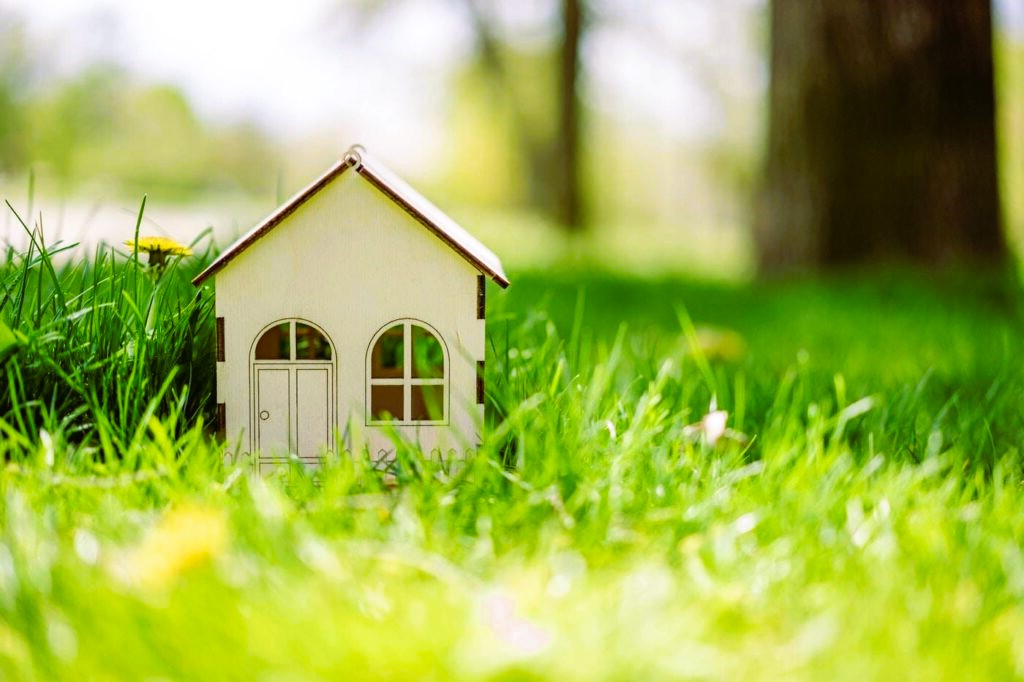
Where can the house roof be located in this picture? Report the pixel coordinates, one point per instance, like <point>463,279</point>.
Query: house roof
<point>393,187</point>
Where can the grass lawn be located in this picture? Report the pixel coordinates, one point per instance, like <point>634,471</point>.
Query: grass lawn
<point>860,517</point>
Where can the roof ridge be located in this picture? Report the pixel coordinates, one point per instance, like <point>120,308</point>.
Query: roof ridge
<point>384,180</point>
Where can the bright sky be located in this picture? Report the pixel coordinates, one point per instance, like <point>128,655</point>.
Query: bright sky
<point>297,68</point>
<point>300,71</point>
<point>280,63</point>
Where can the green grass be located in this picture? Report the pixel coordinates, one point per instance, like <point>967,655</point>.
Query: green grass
<point>863,519</point>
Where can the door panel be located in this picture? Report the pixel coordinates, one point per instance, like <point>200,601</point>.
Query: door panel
<point>313,424</point>
<point>273,414</point>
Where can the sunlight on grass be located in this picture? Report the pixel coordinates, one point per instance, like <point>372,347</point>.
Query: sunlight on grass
<point>679,479</point>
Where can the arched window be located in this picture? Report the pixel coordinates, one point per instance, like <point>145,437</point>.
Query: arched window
<point>407,380</point>
<point>292,341</point>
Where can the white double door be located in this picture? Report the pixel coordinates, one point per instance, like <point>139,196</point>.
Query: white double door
<point>293,404</point>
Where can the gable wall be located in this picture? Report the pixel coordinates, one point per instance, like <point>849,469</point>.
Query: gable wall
<point>352,261</point>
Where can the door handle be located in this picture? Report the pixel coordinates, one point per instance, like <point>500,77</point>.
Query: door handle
<point>264,415</point>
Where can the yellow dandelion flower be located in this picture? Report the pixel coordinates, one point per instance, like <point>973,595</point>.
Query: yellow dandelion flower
<point>159,248</point>
<point>184,538</point>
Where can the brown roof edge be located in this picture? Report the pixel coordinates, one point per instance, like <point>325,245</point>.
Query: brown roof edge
<point>275,218</point>
<point>353,159</point>
<point>389,192</point>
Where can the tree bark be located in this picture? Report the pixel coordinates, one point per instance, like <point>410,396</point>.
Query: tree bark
<point>882,143</point>
<point>569,204</point>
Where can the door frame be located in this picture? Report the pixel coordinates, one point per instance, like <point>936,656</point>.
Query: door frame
<point>292,365</point>
<point>288,400</point>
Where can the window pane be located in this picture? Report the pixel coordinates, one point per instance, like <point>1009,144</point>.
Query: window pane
<point>310,344</point>
<point>275,344</point>
<point>388,357</point>
<point>427,355</point>
<point>386,403</point>
<point>427,403</point>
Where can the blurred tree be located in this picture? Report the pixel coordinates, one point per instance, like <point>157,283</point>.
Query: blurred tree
<point>551,145</point>
<point>553,148</point>
<point>553,152</point>
<point>881,137</point>
<point>567,159</point>
<point>528,111</point>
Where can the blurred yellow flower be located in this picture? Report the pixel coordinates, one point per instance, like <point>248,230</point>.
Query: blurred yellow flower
<point>184,538</point>
<point>159,248</point>
<point>719,343</point>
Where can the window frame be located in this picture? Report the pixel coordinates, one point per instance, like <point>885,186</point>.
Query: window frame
<point>292,342</point>
<point>407,381</point>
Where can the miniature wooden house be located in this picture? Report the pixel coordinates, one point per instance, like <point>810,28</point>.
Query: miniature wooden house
<point>354,312</point>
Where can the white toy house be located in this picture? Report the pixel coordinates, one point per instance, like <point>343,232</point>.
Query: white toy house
<point>354,311</point>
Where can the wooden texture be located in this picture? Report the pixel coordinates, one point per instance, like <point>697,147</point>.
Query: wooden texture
<point>480,382</point>
<point>481,297</point>
<point>393,187</point>
<point>313,422</point>
<point>350,261</point>
<point>222,422</point>
<point>433,218</point>
<point>220,339</point>
<point>273,407</point>
<point>882,135</point>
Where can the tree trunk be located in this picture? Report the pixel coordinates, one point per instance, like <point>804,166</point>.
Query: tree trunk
<point>881,143</point>
<point>568,198</point>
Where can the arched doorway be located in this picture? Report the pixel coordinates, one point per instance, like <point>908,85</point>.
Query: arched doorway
<point>292,390</point>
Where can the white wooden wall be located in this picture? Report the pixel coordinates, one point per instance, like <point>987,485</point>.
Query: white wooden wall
<point>351,261</point>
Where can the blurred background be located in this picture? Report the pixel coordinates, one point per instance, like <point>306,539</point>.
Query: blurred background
<point>716,138</point>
